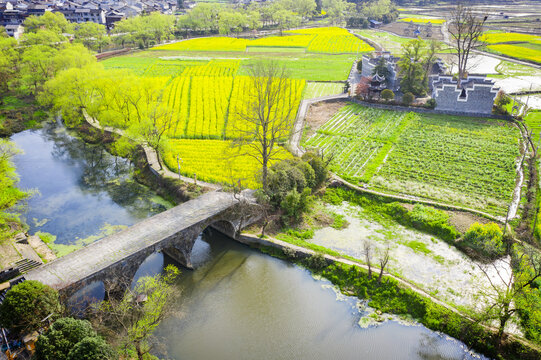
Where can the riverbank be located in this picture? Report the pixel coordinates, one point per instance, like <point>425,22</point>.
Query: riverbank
<point>396,296</point>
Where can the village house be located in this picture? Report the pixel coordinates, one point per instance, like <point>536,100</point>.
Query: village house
<point>371,61</point>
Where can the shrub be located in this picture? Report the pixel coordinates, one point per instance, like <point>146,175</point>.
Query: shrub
<point>295,203</point>
<point>71,339</point>
<point>433,221</point>
<point>486,240</point>
<point>431,104</point>
<point>501,101</point>
<point>360,65</point>
<point>318,165</point>
<point>387,95</point>
<point>316,261</point>
<point>408,98</point>
<point>27,304</point>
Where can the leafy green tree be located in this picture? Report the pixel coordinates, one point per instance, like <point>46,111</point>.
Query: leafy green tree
<point>509,286</point>
<point>296,204</point>
<point>131,320</point>
<point>387,95</point>
<point>71,339</point>
<point>91,348</point>
<point>304,8</point>
<point>8,63</point>
<point>43,37</point>
<point>285,19</point>
<point>10,195</point>
<point>27,304</point>
<point>53,21</point>
<point>411,67</point>
<point>337,10</point>
<point>231,21</point>
<point>92,35</point>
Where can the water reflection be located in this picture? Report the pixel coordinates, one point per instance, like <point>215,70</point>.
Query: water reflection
<point>241,304</point>
<point>82,187</point>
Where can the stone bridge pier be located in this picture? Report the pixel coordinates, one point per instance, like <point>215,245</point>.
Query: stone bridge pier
<point>114,260</point>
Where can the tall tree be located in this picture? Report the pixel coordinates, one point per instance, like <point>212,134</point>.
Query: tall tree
<point>268,117</point>
<point>411,67</point>
<point>465,28</point>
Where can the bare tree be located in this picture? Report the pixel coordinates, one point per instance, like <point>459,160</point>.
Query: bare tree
<point>506,287</point>
<point>268,117</point>
<point>383,260</point>
<point>465,29</point>
<point>368,250</point>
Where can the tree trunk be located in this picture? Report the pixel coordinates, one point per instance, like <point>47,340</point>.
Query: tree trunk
<point>265,173</point>
<point>139,351</point>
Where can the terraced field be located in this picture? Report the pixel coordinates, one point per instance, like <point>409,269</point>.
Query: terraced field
<point>463,161</point>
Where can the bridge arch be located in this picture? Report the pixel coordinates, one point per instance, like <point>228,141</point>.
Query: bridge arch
<point>114,260</point>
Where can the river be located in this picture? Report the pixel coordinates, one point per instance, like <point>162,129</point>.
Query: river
<point>238,303</point>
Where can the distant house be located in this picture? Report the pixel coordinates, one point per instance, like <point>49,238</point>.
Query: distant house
<point>15,31</point>
<point>375,23</point>
<point>476,94</point>
<point>112,17</point>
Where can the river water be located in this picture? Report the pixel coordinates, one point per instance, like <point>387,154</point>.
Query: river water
<point>238,303</point>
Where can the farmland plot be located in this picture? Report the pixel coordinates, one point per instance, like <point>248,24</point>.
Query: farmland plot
<point>358,137</point>
<point>215,161</point>
<point>462,161</point>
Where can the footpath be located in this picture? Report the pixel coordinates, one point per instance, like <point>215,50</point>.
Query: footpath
<point>154,163</point>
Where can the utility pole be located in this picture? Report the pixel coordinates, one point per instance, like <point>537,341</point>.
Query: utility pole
<point>178,165</point>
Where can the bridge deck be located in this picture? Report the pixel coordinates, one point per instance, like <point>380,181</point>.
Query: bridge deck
<point>99,255</point>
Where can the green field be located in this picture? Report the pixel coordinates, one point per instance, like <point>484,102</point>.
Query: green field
<point>311,67</point>
<point>533,121</point>
<point>318,89</point>
<point>458,160</point>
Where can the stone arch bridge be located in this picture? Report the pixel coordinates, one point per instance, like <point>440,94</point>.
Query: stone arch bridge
<point>173,232</point>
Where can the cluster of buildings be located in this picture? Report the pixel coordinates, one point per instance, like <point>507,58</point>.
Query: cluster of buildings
<point>475,94</point>
<point>106,12</point>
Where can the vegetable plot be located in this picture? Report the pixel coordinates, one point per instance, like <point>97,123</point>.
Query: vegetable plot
<point>463,161</point>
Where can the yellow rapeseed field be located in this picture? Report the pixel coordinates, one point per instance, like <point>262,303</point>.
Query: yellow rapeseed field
<point>215,161</point>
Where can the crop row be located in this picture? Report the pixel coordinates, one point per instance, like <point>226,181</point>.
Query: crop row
<point>214,68</point>
<point>516,51</point>
<point>242,99</point>
<point>215,161</point>
<point>503,37</point>
<point>323,40</point>
<point>355,136</point>
<point>473,160</point>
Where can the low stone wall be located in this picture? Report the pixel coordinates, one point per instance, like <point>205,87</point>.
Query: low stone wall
<point>429,111</point>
